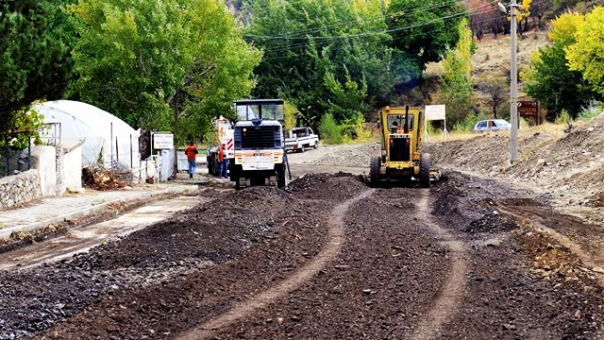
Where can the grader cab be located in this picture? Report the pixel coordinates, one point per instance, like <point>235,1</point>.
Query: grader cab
<point>401,159</point>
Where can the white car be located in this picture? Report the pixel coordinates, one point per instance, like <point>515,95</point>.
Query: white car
<point>491,125</point>
<point>300,139</point>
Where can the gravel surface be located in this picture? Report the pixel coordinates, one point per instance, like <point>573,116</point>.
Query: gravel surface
<point>329,258</point>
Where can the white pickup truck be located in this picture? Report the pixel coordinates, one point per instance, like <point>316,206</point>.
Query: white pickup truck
<point>301,138</point>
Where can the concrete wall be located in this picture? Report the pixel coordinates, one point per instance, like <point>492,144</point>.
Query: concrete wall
<point>57,175</point>
<point>44,160</point>
<point>50,176</point>
<point>72,162</point>
<point>19,189</point>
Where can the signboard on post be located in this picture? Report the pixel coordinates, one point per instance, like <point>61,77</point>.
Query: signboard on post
<point>436,112</point>
<point>529,109</point>
<point>163,141</point>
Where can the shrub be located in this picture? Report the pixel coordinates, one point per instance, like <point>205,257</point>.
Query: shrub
<point>563,118</point>
<point>590,112</point>
<point>329,130</point>
<point>468,123</point>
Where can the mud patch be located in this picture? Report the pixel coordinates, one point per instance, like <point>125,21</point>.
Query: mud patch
<point>491,222</point>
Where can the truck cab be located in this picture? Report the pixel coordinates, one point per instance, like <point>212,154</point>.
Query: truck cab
<point>259,154</point>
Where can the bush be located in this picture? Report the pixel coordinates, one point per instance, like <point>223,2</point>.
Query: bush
<point>590,112</point>
<point>563,118</point>
<point>329,130</point>
<point>468,123</point>
<point>350,130</point>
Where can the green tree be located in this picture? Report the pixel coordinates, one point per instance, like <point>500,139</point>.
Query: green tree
<point>456,81</point>
<point>290,118</point>
<point>585,53</point>
<point>423,30</point>
<point>316,50</point>
<point>34,56</point>
<point>162,64</point>
<point>549,78</point>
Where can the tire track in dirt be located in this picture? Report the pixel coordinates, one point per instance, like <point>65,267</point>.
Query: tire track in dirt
<point>450,297</point>
<point>336,239</point>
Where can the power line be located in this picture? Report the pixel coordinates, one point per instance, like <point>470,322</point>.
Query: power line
<point>293,35</point>
<point>373,33</point>
<point>303,35</point>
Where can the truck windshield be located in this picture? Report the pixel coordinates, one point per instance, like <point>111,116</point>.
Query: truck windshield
<point>264,111</point>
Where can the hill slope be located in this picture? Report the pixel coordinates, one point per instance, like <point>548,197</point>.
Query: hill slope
<point>567,167</point>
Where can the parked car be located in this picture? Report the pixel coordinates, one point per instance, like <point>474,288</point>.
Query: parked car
<point>301,138</point>
<point>491,125</point>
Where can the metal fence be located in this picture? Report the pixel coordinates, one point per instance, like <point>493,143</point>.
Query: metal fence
<point>16,148</point>
<point>15,159</point>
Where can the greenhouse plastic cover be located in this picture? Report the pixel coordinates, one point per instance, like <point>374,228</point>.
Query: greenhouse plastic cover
<point>97,128</point>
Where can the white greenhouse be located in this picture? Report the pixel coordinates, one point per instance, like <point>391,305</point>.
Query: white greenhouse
<point>107,140</point>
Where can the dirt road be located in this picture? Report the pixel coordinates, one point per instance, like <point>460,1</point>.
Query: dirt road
<point>328,258</point>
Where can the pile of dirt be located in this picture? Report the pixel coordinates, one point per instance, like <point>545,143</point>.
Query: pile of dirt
<point>567,168</point>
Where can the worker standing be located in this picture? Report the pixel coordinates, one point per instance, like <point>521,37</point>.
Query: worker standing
<point>191,152</point>
<point>224,163</point>
<point>220,159</point>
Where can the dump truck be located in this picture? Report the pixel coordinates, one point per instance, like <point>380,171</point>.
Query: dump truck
<point>259,144</point>
<point>401,159</point>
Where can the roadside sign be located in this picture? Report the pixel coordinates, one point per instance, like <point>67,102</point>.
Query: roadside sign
<point>163,141</point>
<point>435,112</point>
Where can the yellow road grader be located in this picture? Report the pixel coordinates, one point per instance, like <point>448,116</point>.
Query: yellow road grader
<point>401,159</point>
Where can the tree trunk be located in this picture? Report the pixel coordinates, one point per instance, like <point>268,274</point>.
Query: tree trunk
<point>174,133</point>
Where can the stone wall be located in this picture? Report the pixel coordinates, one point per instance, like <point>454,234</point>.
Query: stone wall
<point>19,189</point>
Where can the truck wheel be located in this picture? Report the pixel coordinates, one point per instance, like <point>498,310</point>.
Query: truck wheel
<point>237,186</point>
<point>374,172</point>
<point>302,148</point>
<point>316,146</point>
<point>281,178</point>
<point>216,169</point>
<point>425,162</point>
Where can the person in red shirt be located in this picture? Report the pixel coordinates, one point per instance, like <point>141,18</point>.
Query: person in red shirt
<point>222,162</point>
<point>191,152</point>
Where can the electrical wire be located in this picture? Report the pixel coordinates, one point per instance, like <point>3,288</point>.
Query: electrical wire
<point>380,18</point>
<point>272,52</point>
<point>303,35</point>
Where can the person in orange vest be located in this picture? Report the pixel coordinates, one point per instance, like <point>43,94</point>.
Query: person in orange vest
<point>191,152</point>
<point>222,162</point>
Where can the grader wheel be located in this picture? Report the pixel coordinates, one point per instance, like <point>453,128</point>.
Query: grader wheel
<point>425,163</point>
<point>374,172</point>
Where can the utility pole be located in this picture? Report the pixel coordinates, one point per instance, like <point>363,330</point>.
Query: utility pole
<point>513,85</point>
